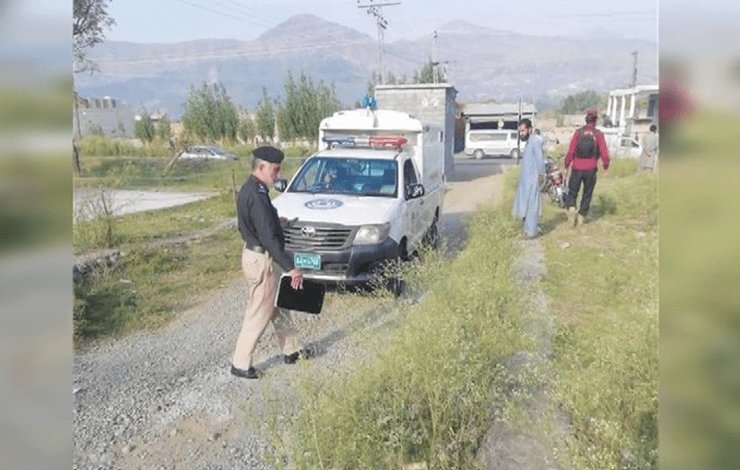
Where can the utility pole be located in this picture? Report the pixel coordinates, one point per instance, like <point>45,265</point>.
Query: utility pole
<point>435,59</point>
<point>375,9</point>
<point>518,137</point>
<point>76,168</point>
<point>634,69</point>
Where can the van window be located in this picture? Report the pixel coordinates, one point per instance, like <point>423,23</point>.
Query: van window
<point>483,137</point>
<point>409,173</point>
<point>628,143</point>
<point>352,176</point>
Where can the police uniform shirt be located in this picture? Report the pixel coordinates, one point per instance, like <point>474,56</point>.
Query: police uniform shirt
<point>259,223</point>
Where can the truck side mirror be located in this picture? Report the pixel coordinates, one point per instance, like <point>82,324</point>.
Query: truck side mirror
<point>280,184</point>
<point>414,191</point>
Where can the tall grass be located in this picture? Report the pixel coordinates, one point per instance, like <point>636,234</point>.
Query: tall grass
<point>428,391</point>
<point>102,146</point>
<point>602,287</point>
<point>138,172</point>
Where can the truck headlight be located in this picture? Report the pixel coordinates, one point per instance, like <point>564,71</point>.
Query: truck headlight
<point>372,234</point>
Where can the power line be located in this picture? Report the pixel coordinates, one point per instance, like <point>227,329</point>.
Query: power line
<point>375,9</point>
<point>246,16</point>
<point>194,4</point>
<point>230,53</point>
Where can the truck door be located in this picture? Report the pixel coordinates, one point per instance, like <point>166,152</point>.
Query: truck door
<point>412,207</point>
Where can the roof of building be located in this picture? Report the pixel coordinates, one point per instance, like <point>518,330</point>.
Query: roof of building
<point>497,109</point>
<point>413,86</point>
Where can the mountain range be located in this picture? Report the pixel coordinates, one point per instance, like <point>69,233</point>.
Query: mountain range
<point>483,64</point>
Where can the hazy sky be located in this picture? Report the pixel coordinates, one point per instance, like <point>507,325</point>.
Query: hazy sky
<point>179,20</point>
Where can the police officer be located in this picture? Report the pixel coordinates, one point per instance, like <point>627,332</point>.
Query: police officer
<point>264,244</point>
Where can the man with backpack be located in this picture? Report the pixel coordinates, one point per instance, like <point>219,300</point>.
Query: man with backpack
<point>586,147</point>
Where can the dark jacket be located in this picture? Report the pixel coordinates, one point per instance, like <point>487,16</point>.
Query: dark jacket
<point>259,223</point>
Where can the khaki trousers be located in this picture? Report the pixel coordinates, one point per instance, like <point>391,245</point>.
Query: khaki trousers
<point>262,281</point>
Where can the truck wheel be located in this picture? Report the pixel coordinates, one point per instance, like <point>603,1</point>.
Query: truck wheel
<point>514,154</point>
<point>432,236</point>
<point>478,154</point>
<point>395,282</point>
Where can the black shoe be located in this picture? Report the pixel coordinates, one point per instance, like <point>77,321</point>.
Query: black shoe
<point>250,373</point>
<point>300,354</point>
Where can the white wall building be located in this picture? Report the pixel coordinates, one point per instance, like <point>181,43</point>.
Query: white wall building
<point>106,116</point>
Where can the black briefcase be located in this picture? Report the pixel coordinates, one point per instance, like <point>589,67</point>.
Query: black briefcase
<point>310,299</point>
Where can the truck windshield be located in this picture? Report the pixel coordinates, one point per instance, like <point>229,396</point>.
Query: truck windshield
<point>351,176</point>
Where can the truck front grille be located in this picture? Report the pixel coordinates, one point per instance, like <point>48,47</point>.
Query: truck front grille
<point>317,237</point>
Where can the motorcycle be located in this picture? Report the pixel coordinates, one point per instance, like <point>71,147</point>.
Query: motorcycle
<point>554,183</point>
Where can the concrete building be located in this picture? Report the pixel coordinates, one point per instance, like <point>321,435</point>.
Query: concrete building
<point>102,116</point>
<point>624,116</point>
<point>431,103</point>
<point>496,115</point>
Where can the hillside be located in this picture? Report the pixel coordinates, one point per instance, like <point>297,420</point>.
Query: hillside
<point>482,63</point>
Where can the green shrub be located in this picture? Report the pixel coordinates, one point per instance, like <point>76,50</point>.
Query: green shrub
<point>603,293</point>
<point>431,389</point>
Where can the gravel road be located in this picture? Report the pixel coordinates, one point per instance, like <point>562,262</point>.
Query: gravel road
<point>129,201</point>
<point>165,399</point>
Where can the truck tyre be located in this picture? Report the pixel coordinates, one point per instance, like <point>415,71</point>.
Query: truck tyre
<point>395,282</point>
<point>478,154</point>
<point>432,236</point>
<point>514,154</point>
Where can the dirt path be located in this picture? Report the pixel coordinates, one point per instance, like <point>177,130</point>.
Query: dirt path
<point>528,445</point>
<point>166,400</point>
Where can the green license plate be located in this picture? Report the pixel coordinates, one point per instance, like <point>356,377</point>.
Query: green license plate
<point>307,261</point>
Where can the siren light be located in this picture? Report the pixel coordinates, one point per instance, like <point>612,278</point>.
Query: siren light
<point>374,141</point>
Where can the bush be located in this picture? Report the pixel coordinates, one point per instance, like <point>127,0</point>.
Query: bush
<point>100,146</point>
<point>429,395</point>
<point>606,358</point>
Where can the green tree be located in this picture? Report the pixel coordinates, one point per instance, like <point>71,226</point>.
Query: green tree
<point>164,128</point>
<point>579,102</point>
<point>304,106</point>
<point>144,128</point>
<point>265,116</point>
<point>210,114</point>
<point>90,19</point>
<point>328,103</point>
<point>374,80</point>
<point>426,75</point>
<point>247,128</point>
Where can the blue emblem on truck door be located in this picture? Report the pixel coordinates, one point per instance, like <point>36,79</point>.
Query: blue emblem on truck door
<point>323,203</point>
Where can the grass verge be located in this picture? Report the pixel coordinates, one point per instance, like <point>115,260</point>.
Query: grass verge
<point>148,287</point>
<point>429,393</point>
<point>149,172</point>
<point>603,292</point>
<point>153,281</point>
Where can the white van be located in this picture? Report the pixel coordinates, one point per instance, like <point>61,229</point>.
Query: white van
<point>484,142</point>
<point>372,194</point>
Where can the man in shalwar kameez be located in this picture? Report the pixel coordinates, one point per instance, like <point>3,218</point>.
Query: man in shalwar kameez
<point>532,166</point>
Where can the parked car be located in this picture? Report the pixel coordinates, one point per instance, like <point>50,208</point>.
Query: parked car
<point>620,145</point>
<point>207,152</point>
<point>628,147</point>
<point>480,143</point>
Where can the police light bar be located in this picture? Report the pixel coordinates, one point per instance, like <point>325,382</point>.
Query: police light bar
<point>395,141</point>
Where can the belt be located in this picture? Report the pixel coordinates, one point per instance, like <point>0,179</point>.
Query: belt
<point>255,248</point>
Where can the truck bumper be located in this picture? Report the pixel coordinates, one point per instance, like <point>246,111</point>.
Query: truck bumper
<point>356,265</point>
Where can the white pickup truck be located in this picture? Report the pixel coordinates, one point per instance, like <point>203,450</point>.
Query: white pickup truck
<point>372,194</point>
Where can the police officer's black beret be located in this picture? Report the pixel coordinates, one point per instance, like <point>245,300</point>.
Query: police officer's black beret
<point>268,154</point>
